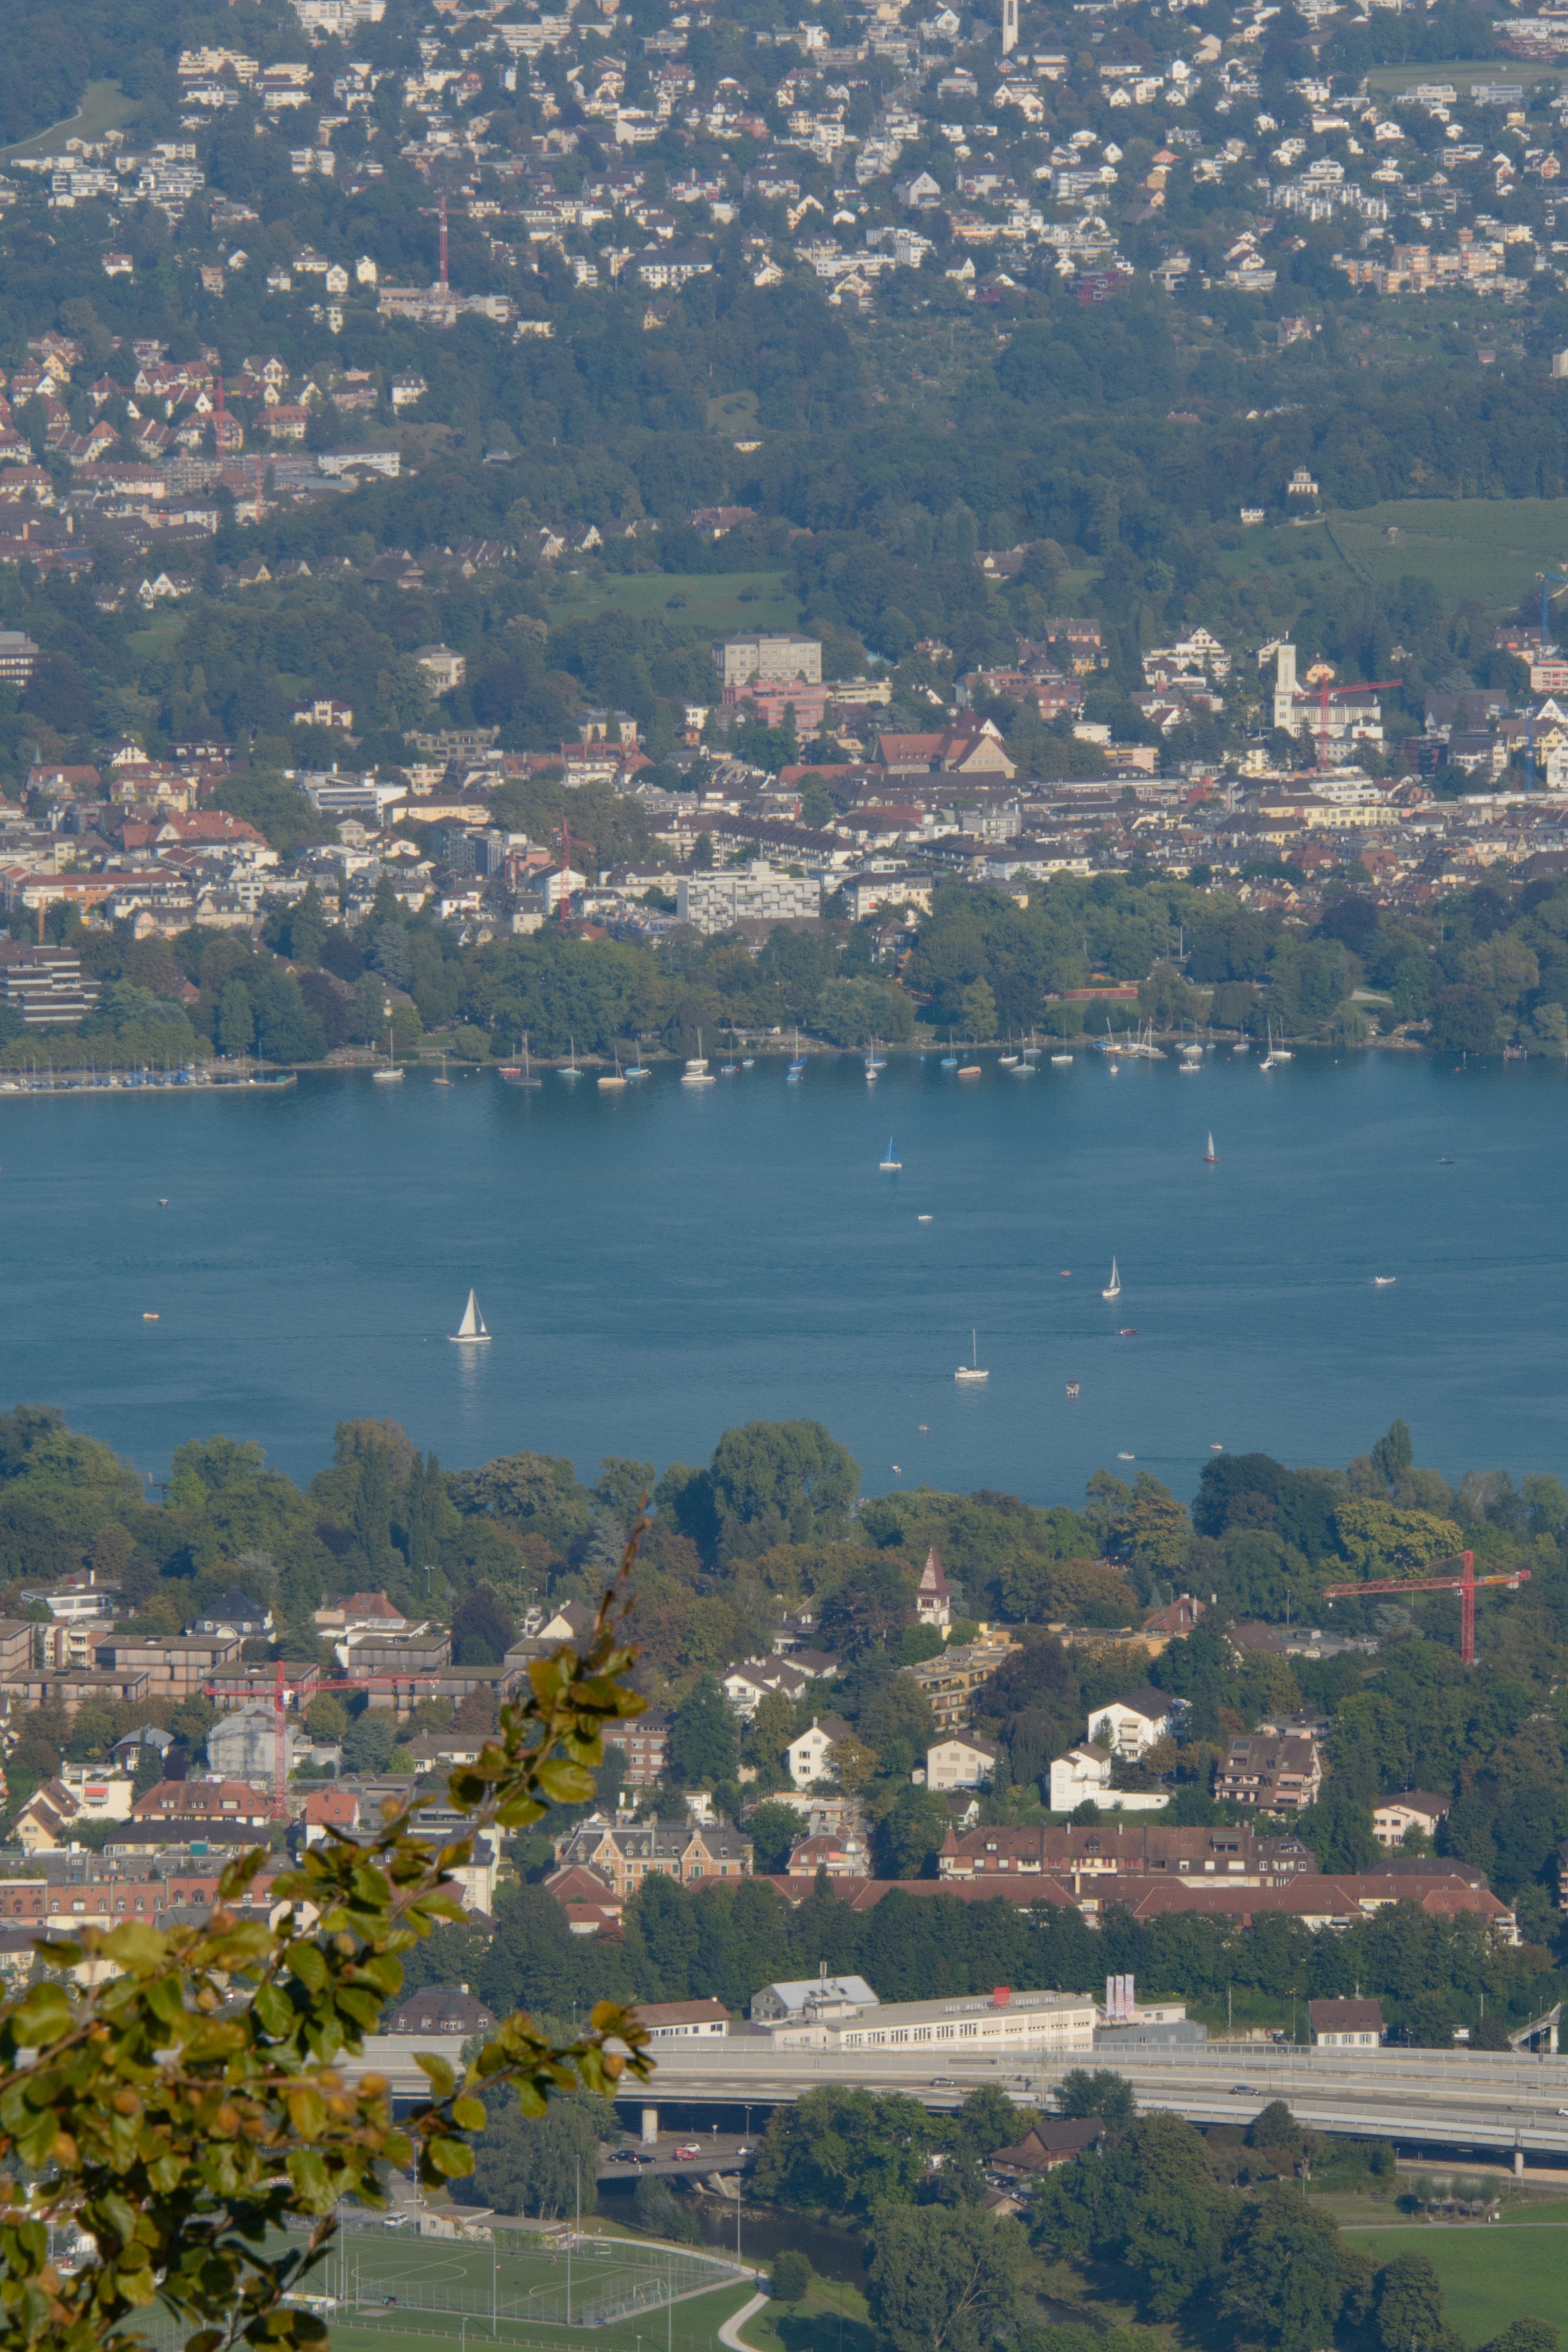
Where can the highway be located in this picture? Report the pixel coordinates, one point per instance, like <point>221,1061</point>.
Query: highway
<point>1451,2101</point>
<point>1417,2098</point>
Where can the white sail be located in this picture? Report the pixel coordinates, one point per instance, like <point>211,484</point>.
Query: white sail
<point>473,1324</point>
<point>1114,1288</point>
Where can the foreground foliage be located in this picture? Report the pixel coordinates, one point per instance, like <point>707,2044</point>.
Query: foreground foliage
<point>179,2095</point>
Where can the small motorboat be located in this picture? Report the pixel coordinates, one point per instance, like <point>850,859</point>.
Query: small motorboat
<point>1128,1331</point>
<point>923,1220</point>
<point>150,1319</point>
<point>1383,1281</point>
<point>968,1069</point>
<point>1072,1388</point>
<point>1215,1447</point>
<point>1126,1457</point>
<point>1062,1061</point>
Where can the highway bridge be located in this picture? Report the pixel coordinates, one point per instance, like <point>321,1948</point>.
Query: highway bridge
<point>1452,2103</point>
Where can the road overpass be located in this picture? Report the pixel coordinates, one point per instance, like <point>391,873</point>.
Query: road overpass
<point>1446,2101</point>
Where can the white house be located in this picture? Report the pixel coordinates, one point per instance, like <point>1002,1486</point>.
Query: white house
<point>751,1680</point>
<point>963,1760</point>
<point>816,1997</point>
<point>1417,1808</point>
<point>1131,1726</point>
<point>1084,1777</point>
<point>933,1594</point>
<point>808,1756</point>
<point>1345,2024</point>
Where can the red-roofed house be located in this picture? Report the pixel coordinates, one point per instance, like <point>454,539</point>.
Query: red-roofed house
<point>325,1809</point>
<point>593,1906</point>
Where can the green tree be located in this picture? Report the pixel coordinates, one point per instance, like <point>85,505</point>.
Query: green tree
<point>978,1011</point>
<point>1410,2306</point>
<point>704,1743</point>
<point>369,1739</point>
<point>844,2152</point>
<point>1099,2092</point>
<point>789,2281</point>
<point>987,2120</point>
<point>326,1717</point>
<point>909,1837</point>
<point>1429,2022</point>
<point>870,1608</point>
<point>781,1482</point>
<point>1527,2334</point>
<point>944,2279</point>
<point>533,2164</point>
<point>773,1830</point>
<point>237,1020</point>
<point>1339,1830</point>
<point>1282,2284</point>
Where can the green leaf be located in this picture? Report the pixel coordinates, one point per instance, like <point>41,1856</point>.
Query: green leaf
<point>41,2013</point>
<point>453,2158</point>
<point>442,2079</point>
<point>274,2011</point>
<point>309,2177</point>
<point>137,1946</point>
<point>469,2113</point>
<point>564,1784</point>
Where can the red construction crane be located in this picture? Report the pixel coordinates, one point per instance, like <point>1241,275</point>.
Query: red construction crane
<point>1467,1585</point>
<point>439,211</point>
<point>569,842</point>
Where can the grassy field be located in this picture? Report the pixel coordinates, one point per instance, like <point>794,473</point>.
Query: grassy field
<point>1462,73</point>
<point>1491,2275</point>
<point>681,2327</point>
<point>695,605</point>
<point>1490,548</point>
<point>104,107</point>
<point>828,2315</point>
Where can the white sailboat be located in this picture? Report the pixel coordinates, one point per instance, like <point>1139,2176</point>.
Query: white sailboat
<point>892,1163</point>
<point>1114,1288</point>
<point>571,1070</point>
<point>1210,1156</point>
<point>471,1330</point>
<point>392,1075</point>
<point>971,1371</point>
<point>697,1072</point>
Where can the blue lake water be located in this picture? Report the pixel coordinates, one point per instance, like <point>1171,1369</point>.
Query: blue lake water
<point>658,1265</point>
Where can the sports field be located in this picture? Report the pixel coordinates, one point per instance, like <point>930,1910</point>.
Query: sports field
<point>695,605</point>
<point>519,2294</point>
<point>1491,2272</point>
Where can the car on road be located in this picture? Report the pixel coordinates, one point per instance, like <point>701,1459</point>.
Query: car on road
<point>624,2156</point>
<point>943,2082</point>
<point>1242,2091</point>
<point>690,2148</point>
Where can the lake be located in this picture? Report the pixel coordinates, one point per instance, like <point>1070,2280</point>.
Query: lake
<point>658,1265</point>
